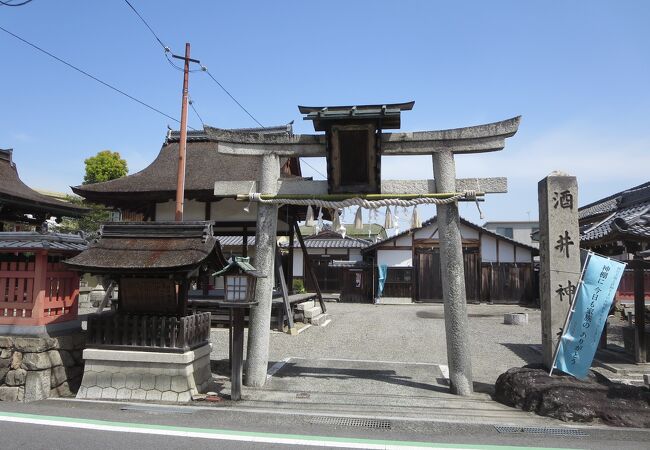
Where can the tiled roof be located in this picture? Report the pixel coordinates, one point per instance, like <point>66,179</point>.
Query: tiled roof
<point>346,242</point>
<point>238,241</point>
<point>29,240</point>
<point>608,204</point>
<point>373,229</point>
<point>630,220</point>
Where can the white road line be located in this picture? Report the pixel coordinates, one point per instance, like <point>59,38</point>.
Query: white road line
<point>275,367</point>
<point>225,435</point>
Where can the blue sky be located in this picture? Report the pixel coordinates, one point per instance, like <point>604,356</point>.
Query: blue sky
<point>578,73</point>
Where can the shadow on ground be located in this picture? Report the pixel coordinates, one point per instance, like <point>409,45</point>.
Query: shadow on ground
<point>524,352</point>
<point>296,370</point>
<point>441,315</point>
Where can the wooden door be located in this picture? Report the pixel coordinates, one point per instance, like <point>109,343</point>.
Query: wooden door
<point>472,265</point>
<point>427,275</point>
<point>328,278</point>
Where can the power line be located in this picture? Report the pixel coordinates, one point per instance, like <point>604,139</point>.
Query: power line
<point>147,25</point>
<point>15,4</point>
<point>191,102</point>
<point>203,68</point>
<point>89,75</point>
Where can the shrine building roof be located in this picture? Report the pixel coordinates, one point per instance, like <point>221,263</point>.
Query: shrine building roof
<point>21,199</point>
<point>204,166</point>
<point>142,248</point>
<point>626,218</point>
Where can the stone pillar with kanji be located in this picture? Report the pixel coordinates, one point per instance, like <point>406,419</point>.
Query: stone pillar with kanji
<point>559,250</point>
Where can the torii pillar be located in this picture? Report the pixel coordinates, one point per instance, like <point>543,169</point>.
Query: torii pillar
<point>265,242</point>
<point>442,145</point>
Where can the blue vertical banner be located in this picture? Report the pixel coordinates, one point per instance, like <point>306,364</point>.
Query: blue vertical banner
<point>588,315</point>
<point>382,270</point>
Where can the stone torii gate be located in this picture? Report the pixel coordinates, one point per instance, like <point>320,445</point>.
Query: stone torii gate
<point>369,119</point>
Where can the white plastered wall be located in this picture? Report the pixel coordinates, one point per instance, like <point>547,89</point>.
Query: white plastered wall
<point>395,258</point>
<point>192,210</point>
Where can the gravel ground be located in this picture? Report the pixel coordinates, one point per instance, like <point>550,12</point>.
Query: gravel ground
<point>408,333</point>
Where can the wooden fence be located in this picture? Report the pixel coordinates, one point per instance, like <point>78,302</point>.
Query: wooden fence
<point>35,290</point>
<point>148,332</point>
<point>507,283</point>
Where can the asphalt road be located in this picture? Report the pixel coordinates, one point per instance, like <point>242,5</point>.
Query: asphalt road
<point>55,424</point>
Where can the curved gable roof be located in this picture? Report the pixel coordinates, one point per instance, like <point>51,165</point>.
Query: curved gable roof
<point>204,166</point>
<point>18,195</point>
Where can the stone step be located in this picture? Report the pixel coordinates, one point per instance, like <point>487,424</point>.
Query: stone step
<point>305,305</point>
<point>312,312</point>
<point>321,320</point>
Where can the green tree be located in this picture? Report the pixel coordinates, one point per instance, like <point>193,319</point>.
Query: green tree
<point>104,166</point>
<point>90,222</point>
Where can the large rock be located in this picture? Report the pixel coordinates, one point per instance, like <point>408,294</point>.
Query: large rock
<point>3,373</point>
<point>16,360</point>
<point>34,344</point>
<point>9,393</point>
<point>36,361</point>
<point>16,377</point>
<point>568,399</point>
<point>37,385</point>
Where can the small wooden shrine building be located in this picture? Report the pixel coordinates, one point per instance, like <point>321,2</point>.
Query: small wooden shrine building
<point>150,337</point>
<point>497,269</point>
<point>38,294</point>
<point>21,207</point>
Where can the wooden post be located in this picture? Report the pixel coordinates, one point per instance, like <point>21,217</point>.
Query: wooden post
<point>639,311</point>
<point>310,269</point>
<point>237,354</point>
<point>283,287</point>
<point>40,282</point>
<point>290,261</point>
<point>180,179</point>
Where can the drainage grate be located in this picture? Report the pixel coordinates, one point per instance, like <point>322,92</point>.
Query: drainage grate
<point>158,409</point>
<point>352,422</point>
<point>542,430</point>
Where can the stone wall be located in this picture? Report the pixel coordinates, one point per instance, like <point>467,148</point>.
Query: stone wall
<point>34,368</point>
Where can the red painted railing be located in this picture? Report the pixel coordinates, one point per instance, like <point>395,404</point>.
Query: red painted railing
<point>34,291</point>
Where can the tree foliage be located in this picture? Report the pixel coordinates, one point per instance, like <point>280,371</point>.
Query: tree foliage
<point>90,222</point>
<point>104,166</point>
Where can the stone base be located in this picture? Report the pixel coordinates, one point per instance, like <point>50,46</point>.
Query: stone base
<point>35,368</point>
<point>568,399</point>
<point>515,318</point>
<point>140,375</point>
<point>54,329</point>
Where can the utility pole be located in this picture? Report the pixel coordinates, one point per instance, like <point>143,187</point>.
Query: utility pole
<point>180,180</point>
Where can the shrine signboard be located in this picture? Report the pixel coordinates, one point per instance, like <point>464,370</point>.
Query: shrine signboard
<point>559,250</point>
